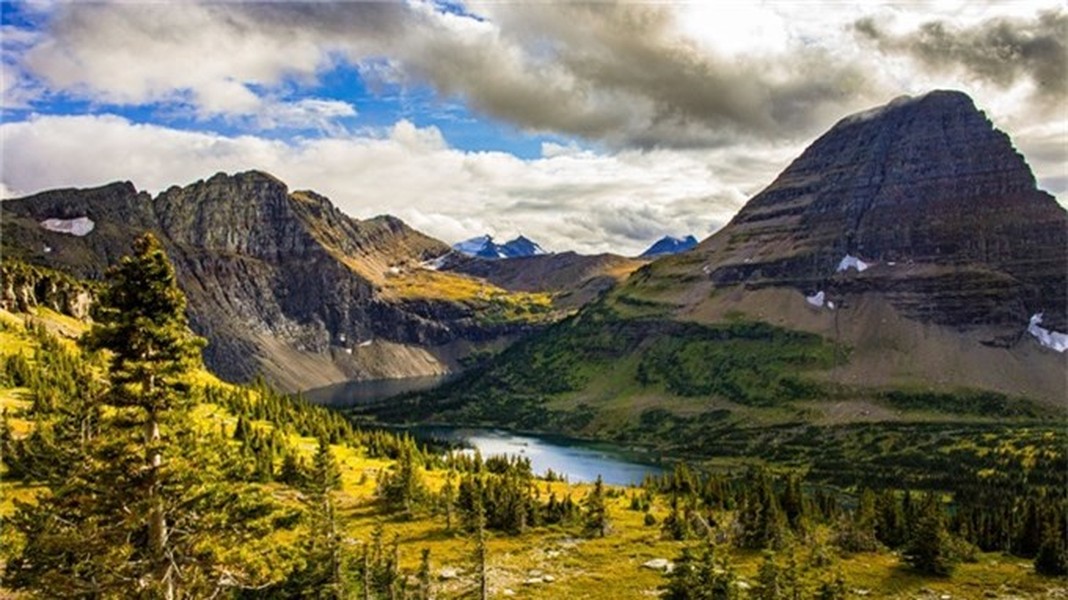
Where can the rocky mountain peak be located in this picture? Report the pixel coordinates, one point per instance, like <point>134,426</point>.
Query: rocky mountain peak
<point>927,190</point>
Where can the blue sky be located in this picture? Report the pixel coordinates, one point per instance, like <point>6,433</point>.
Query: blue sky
<point>593,127</point>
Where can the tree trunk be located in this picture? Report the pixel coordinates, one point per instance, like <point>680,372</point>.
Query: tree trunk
<point>157,524</point>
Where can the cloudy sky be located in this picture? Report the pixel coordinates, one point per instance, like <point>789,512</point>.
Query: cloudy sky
<point>585,126</point>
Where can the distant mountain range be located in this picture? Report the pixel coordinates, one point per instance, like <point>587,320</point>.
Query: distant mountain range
<point>484,247</point>
<point>669,245</point>
<point>284,284</point>
<point>905,261</point>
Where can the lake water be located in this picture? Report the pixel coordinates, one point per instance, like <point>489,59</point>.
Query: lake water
<point>578,460</point>
<point>575,459</point>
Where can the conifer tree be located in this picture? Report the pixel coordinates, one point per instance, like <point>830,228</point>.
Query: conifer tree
<point>706,575</point>
<point>930,550</point>
<point>770,584</point>
<point>145,512</point>
<point>595,519</point>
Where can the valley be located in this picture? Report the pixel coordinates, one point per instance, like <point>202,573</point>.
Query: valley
<point>834,396</point>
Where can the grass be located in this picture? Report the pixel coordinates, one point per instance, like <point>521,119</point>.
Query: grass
<point>493,304</point>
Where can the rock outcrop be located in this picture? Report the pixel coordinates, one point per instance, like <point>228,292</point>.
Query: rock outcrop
<point>280,283</point>
<point>927,193</point>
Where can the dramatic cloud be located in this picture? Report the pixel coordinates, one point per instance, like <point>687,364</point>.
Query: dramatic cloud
<point>1000,51</point>
<point>625,74</point>
<point>665,117</point>
<point>568,200</point>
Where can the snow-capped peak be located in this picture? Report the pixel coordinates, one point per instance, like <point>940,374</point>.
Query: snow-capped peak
<point>670,245</point>
<point>483,246</point>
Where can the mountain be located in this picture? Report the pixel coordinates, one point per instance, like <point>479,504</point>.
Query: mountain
<point>669,245</point>
<point>280,283</point>
<point>484,247</point>
<point>906,259</point>
<point>576,279</point>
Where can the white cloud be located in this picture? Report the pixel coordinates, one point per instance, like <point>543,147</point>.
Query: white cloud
<point>569,201</point>
<point>627,74</point>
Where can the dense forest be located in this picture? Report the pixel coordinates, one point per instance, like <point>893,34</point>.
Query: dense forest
<point>138,475</point>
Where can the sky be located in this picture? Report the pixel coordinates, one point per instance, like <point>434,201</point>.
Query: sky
<point>591,127</point>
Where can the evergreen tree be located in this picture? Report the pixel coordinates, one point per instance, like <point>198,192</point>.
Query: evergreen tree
<point>930,550</point>
<point>404,489</point>
<point>595,519</point>
<point>423,576</point>
<point>1052,557</point>
<point>329,576</point>
<point>708,575</point>
<point>145,512</point>
<point>762,522</point>
<point>770,585</point>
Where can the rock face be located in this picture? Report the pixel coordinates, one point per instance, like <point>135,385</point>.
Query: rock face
<point>929,194</point>
<point>280,283</point>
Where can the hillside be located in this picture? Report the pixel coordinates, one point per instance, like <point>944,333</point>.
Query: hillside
<point>890,274</point>
<point>575,279</point>
<point>282,283</point>
<point>546,560</point>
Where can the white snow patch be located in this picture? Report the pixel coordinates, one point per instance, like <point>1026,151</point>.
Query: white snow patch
<point>348,350</point>
<point>830,305</point>
<point>851,262</point>
<point>364,344</point>
<point>79,227</point>
<point>47,249</point>
<point>816,299</point>
<point>435,264</point>
<point>1054,340</point>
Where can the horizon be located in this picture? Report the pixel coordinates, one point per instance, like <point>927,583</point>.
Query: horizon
<point>466,119</point>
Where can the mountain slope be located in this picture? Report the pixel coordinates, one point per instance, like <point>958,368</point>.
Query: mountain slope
<point>282,283</point>
<point>669,245</point>
<point>577,279</point>
<point>902,255</point>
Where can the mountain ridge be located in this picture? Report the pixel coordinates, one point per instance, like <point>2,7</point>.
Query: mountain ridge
<point>484,247</point>
<point>283,283</point>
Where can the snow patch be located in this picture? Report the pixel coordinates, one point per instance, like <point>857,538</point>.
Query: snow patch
<point>435,264</point>
<point>79,227</point>
<point>1054,340</point>
<point>816,299</point>
<point>851,262</point>
<point>364,344</point>
<point>48,249</point>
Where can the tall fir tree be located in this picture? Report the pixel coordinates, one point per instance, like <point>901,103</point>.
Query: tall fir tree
<point>144,512</point>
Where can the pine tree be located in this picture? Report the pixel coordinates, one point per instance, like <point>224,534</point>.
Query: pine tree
<point>708,575</point>
<point>930,550</point>
<point>770,584</point>
<point>423,575</point>
<point>595,519</point>
<point>404,489</point>
<point>1052,557</point>
<point>324,550</point>
<point>145,511</point>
